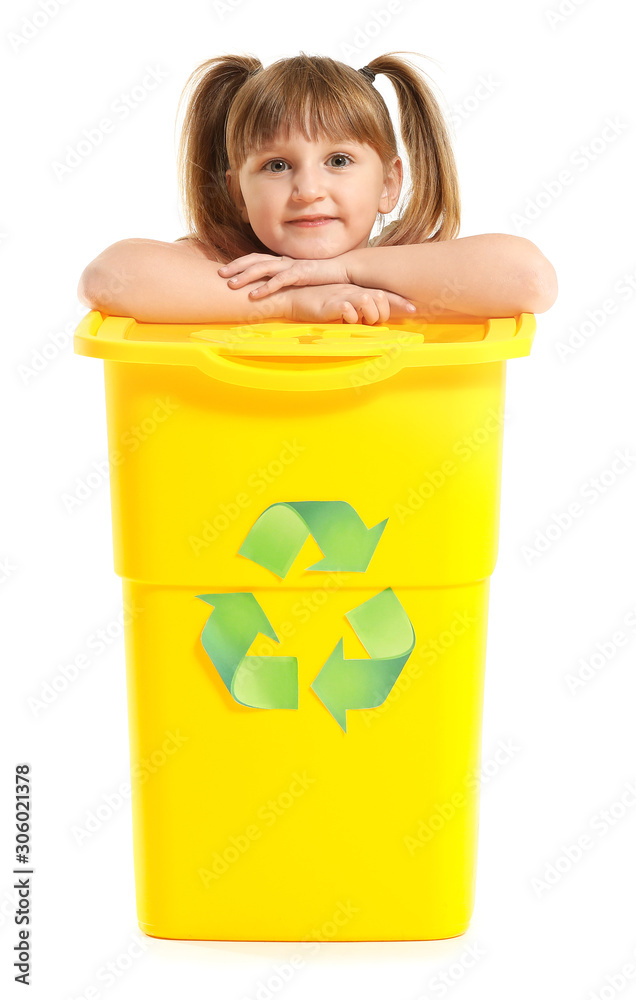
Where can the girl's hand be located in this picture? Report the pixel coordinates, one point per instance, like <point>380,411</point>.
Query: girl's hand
<point>282,271</point>
<point>344,303</point>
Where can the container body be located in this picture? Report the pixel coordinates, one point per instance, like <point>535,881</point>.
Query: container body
<point>275,824</point>
<point>272,824</point>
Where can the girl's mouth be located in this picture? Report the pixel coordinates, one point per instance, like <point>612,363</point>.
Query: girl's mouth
<point>311,222</point>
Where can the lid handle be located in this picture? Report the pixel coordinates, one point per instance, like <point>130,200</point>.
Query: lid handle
<point>299,373</point>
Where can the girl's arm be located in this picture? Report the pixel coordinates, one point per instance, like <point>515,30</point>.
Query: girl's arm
<point>476,276</point>
<point>156,282</point>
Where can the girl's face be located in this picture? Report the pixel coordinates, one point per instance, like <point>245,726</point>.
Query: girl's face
<point>294,178</point>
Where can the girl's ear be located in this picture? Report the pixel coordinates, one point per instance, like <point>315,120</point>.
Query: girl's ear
<point>392,187</point>
<point>236,195</point>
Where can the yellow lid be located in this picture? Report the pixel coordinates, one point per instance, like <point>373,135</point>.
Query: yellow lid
<point>320,355</point>
<point>307,339</point>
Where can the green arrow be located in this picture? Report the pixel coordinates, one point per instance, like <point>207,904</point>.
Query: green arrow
<point>254,681</point>
<point>277,536</point>
<point>384,629</point>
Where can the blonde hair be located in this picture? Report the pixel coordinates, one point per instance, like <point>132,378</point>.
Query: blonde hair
<point>236,106</point>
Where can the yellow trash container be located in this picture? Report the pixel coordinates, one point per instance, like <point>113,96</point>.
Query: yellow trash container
<point>305,520</point>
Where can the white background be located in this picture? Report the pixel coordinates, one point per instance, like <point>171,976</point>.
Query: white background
<point>554,86</point>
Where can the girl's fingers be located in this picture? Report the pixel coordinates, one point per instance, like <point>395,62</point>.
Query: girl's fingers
<point>242,262</point>
<point>248,274</point>
<point>369,310</point>
<point>365,309</point>
<point>400,306</point>
<point>273,285</point>
<point>384,308</point>
<point>375,306</point>
<point>253,272</point>
<point>349,313</point>
<point>374,312</point>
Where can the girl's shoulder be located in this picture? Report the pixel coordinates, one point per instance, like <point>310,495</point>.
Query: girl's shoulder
<point>385,232</point>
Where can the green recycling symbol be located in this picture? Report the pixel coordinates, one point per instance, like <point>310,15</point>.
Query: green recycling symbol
<point>381,623</point>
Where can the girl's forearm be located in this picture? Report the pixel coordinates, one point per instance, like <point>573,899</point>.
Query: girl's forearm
<point>489,275</point>
<point>156,282</point>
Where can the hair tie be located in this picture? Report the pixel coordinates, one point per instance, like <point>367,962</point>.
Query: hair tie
<point>366,71</point>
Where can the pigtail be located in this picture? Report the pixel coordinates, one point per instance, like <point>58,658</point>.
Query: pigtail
<point>209,211</point>
<point>432,212</point>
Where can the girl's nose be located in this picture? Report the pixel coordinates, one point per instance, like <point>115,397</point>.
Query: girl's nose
<point>308,183</point>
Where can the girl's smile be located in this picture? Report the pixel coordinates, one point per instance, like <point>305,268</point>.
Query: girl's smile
<point>309,221</point>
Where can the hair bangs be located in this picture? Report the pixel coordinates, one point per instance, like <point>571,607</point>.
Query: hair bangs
<point>314,105</point>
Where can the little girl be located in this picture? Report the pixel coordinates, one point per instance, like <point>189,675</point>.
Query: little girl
<point>283,173</point>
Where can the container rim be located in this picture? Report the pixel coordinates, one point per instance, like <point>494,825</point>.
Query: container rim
<point>123,338</point>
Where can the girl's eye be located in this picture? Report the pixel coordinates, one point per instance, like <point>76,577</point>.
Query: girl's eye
<point>340,156</point>
<point>273,162</point>
<point>334,156</point>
